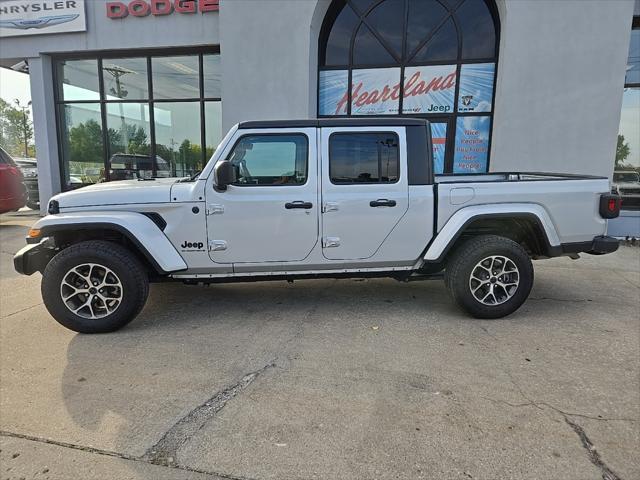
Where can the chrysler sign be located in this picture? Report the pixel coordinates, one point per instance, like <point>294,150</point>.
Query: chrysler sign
<point>32,17</point>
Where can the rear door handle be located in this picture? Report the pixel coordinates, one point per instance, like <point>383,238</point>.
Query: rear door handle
<point>298,204</point>
<point>382,202</point>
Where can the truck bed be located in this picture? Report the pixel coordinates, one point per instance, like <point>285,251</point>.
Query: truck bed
<point>570,201</point>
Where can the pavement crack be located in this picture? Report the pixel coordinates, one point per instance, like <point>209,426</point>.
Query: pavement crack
<point>567,300</point>
<point>22,310</point>
<point>164,452</point>
<point>592,453</point>
<point>539,405</point>
<point>110,453</point>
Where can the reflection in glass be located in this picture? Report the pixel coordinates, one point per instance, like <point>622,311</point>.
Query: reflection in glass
<point>479,32</point>
<point>212,76</point>
<point>213,127</point>
<point>270,160</point>
<point>633,62</point>
<point>78,80</point>
<point>442,46</point>
<point>82,146</point>
<point>337,52</point>
<point>628,151</point>
<point>130,142</point>
<point>387,19</point>
<point>178,136</point>
<point>363,158</point>
<point>176,77</point>
<point>422,19</point>
<point>367,50</point>
<point>125,78</point>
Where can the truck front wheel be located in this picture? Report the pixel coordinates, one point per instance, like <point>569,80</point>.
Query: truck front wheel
<point>489,276</point>
<point>94,287</point>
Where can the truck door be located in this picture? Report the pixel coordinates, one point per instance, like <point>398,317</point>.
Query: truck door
<point>364,189</point>
<point>270,214</point>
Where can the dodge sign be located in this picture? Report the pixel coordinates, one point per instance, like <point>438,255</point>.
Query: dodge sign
<point>33,17</point>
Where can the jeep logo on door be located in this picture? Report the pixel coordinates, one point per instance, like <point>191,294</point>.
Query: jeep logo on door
<point>187,246</point>
<point>29,17</point>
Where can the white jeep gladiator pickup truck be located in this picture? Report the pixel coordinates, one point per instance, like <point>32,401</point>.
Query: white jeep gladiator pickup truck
<point>284,200</point>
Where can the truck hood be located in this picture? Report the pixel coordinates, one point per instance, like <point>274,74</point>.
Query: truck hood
<point>118,193</point>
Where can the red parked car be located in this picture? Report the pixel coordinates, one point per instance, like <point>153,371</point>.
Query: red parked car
<point>13,194</point>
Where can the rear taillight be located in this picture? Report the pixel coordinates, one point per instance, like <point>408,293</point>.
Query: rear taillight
<point>610,205</point>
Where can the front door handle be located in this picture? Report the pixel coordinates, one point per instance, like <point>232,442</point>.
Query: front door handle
<point>298,204</point>
<point>382,202</point>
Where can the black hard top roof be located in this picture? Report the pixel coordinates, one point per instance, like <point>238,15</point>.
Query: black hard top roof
<point>337,122</point>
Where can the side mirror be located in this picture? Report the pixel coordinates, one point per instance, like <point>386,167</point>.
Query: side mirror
<point>224,174</point>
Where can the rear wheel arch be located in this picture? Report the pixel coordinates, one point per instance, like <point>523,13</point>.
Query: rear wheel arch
<point>526,229</point>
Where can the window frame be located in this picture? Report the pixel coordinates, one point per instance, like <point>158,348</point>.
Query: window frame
<point>148,54</point>
<point>405,61</point>
<point>364,132</point>
<point>272,134</point>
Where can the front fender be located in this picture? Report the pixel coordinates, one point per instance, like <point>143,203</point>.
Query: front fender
<point>463,217</point>
<point>138,228</point>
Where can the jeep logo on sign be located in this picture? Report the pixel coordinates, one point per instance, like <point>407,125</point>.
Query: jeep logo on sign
<point>192,245</point>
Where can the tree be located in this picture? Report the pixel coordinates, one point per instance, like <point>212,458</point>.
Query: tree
<point>15,127</point>
<point>622,152</point>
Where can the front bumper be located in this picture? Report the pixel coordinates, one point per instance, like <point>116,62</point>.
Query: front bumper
<point>33,258</point>
<point>600,245</point>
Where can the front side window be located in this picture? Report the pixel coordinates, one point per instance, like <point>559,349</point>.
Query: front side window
<point>363,158</point>
<point>270,160</point>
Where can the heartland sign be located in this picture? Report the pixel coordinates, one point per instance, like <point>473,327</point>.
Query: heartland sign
<point>30,17</point>
<point>142,8</point>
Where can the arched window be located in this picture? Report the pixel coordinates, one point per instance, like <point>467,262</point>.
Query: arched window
<point>444,50</point>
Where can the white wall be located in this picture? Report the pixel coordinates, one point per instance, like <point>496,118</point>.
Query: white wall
<point>560,79</point>
<point>265,47</point>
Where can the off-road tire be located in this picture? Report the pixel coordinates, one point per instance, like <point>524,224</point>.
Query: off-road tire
<point>464,260</point>
<point>130,272</point>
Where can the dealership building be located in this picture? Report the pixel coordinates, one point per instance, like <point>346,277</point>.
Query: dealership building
<point>130,88</point>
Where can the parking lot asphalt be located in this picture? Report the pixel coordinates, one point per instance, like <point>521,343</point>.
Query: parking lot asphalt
<point>327,379</point>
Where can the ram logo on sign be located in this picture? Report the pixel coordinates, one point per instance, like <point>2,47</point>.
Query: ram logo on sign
<point>31,17</point>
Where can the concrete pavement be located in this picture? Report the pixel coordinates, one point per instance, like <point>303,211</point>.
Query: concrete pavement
<point>328,379</point>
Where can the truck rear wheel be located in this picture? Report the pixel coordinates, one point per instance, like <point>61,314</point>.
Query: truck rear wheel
<point>489,276</point>
<point>94,287</point>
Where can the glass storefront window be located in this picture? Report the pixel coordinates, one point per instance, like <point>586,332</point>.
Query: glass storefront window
<point>78,80</point>
<point>178,140</point>
<point>421,58</point>
<point>472,144</point>
<point>82,144</point>
<point>213,123</point>
<point>127,131</point>
<point>125,78</point>
<point>129,134</point>
<point>212,76</point>
<point>627,157</point>
<point>176,77</point>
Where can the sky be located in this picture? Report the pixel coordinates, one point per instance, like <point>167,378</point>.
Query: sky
<point>14,85</point>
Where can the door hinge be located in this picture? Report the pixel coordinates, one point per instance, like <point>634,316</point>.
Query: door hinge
<point>330,242</point>
<point>217,245</point>
<point>330,207</point>
<point>214,209</point>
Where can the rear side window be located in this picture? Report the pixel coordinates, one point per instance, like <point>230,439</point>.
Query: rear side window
<point>270,159</point>
<point>364,158</point>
